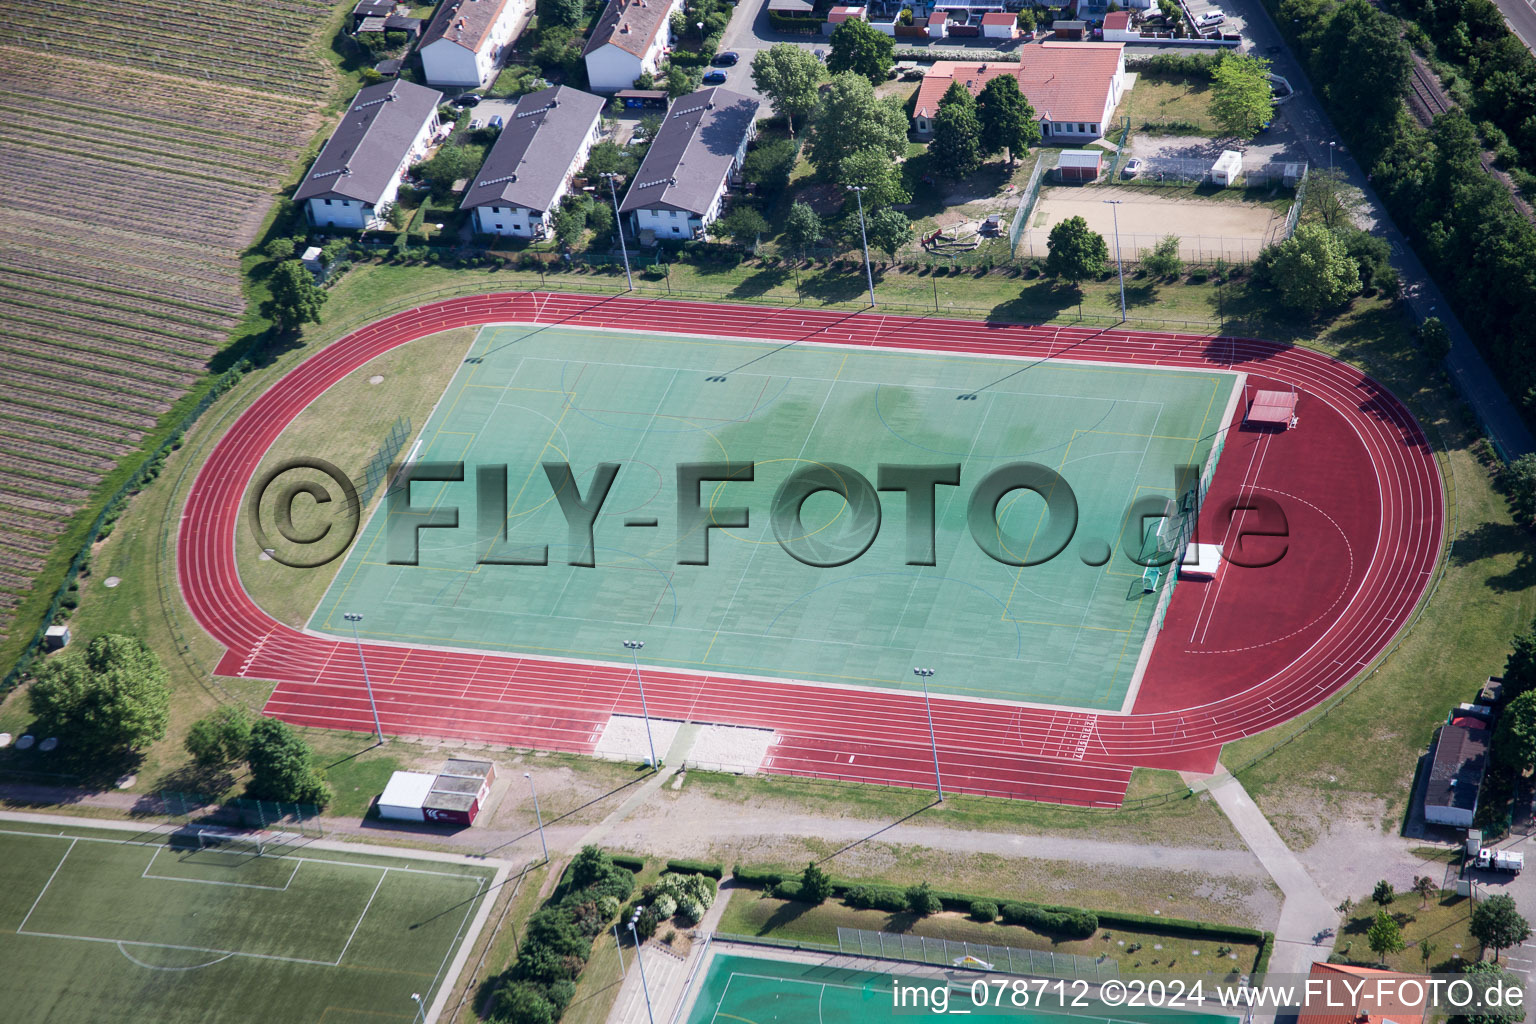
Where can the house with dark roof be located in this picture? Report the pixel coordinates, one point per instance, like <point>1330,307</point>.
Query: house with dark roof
<point>681,184</point>
<point>1456,773</point>
<point>530,168</point>
<point>466,39</point>
<point>354,180</point>
<point>629,40</point>
<point>1074,87</point>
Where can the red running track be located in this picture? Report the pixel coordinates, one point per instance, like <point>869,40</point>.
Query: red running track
<point>1357,448</point>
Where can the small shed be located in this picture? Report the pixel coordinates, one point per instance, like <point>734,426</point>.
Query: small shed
<point>1069,29</point>
<point>1456,773</point>
<point>838,15</point>
<point>56,637</point>
<point>406,795</point>
<point>1201,562</point>
<point>389,68</point>
<point>1117,28</point>
<point>1000,25</point>
<point>1228,168</point>
<point>1271,409</point>
<point>1079,165</point>
<point>799,7</point>
<point>311,259</point>
<point>937,21</point>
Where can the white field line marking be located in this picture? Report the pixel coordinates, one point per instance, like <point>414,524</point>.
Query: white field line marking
<point>379,884</point>
<point>302,860</point>
<point>458,939</point>
<point>206,881</point>
<point>155,967</point>
<point>190,949</point>
<point>46,884</point>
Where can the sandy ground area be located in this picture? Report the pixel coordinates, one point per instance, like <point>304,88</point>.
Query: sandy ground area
<point>1207,228</point>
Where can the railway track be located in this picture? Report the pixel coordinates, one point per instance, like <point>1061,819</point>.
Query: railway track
<point>1427,100</point>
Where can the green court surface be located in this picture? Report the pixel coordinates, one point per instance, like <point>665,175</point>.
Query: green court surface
<point>1063,632</point>
<point>100,925</point>
<point>757,990</point>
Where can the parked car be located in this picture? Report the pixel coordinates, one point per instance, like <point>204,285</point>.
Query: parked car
<point>821,55</point>
<point>1210,18</point>
<point>714,78</point>
<point>1132,168</point>
<point>913,75</point>
<point>727,59</point>
<point>474,124</point>
<point>495,121</point>
<point>469,99</point>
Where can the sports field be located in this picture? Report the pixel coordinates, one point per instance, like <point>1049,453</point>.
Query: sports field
<point>1064,632</point>
<point>100,925</point>
<point>755,990</point>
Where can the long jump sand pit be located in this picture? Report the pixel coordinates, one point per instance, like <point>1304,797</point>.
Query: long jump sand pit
<point>1234,230</point>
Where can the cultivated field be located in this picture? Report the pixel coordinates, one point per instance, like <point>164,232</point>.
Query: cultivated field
<point>214,41</point>
<point>131,196</point>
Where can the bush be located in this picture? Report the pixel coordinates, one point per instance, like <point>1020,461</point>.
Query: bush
<point>764,878</point>
<point>789,889</point>
<point>922,900</point>
<point>1070,922</point>
<point>634,865</point>
<point>984,910</point>
<point>690,910</point>
<point>665,906</point>
<point>877,897</point>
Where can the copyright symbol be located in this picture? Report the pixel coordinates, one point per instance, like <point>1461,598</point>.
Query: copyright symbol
<point>326,524</point>
<point>1112,993</point>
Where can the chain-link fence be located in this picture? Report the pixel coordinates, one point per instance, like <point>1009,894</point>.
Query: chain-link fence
<point>980,956</point>
<point>207,810</point>
<point>1202,249</point>
<point>1026,203</point>
<point>1190,172</point>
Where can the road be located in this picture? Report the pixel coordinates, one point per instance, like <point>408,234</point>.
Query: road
<point>1521,17</point>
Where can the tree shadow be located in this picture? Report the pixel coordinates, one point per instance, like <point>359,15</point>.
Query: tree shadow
<point>832,286</point>
<point>763,281</point>
<point>789,912</point>
<point>1039,300</point>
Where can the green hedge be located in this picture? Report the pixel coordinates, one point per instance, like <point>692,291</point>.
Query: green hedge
<point>765,878</point>
<point>795,22</point>
<point>694,867</point>
<point>1261,963</point>
<point>635,865</point>
<point>1179,926</point>
<point>1072,922</point>
<point>877,897</point>
<point>789,889</point>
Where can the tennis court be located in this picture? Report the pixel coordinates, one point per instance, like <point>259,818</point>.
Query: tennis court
<point>757,990</point>
<point>99,924</point>
<point>1065,632</point>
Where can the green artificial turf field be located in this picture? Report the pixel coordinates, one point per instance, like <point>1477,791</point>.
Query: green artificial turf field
<point>758,990</point>
<point>1063,632</point>
<point>100,925</point>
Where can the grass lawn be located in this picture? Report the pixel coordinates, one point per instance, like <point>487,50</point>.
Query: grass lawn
<point>752,913</point>
<point>1157,100</point>
<point>1442,924</point>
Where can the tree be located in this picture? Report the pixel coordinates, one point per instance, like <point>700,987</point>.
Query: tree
<point>106,701</point>
<point>1427,949</point>
<point>1312,270</point>
<point>608,157</point>
<point>452,163</point>
<point>1519,481</point>
<point>296,299</point>
<point>956,147</point>
<point>1163,259</point>
<point>1026,20</point>
<point>743,224</point>
<point>922,901</point>
<point>522,1003</point>
<point>769,164</point>
<point>1345,906</point>
<point>561,12</point>
<point>815,885</point>
<point>1383,894</point>
<point>849,119</point>
<point>1435,339</point>
<point>279,249</point>
<point>1425,887</point>
<point>1330,199</point>
<point>570,225</point>
<point>681,80</point>
<point>282,766</point>
<point>1241,96</point>
<point>1384,937</point>
<point>1365,62</point>
<point>1074,252</point>
<point>1514,741</point>
<point>889,231</point>
<point>1007,120</point>
<point>788,76</point>
<point>803,229</point>
<point>221,738</point>
<point>1374,257</point>
<point>1520,666</point>
<point>879,175</point>
<point>862,49</point>
<point>1488,978</point>
<point>1497,924</point>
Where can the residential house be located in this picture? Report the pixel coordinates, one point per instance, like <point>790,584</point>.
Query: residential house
<point>1347,994</point>
<point>680,186</point>
<point>629,40</point>
<point>1074,87</point>
<point>464,43</point>
<point>354,180</point>
<point>529,169</point>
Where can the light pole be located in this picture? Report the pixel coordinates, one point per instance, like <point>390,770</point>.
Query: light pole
<point>618,947</point>
<point>634,649</point>
<point>858,190</point>
<point>537,815</point>
<point>355,618</point>
<point>1331,147</point>
<point>618,225</point>
<point>923,674</point>
<point>1119,266</point>
<point>421,1008</point>
<point>641,961</point>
